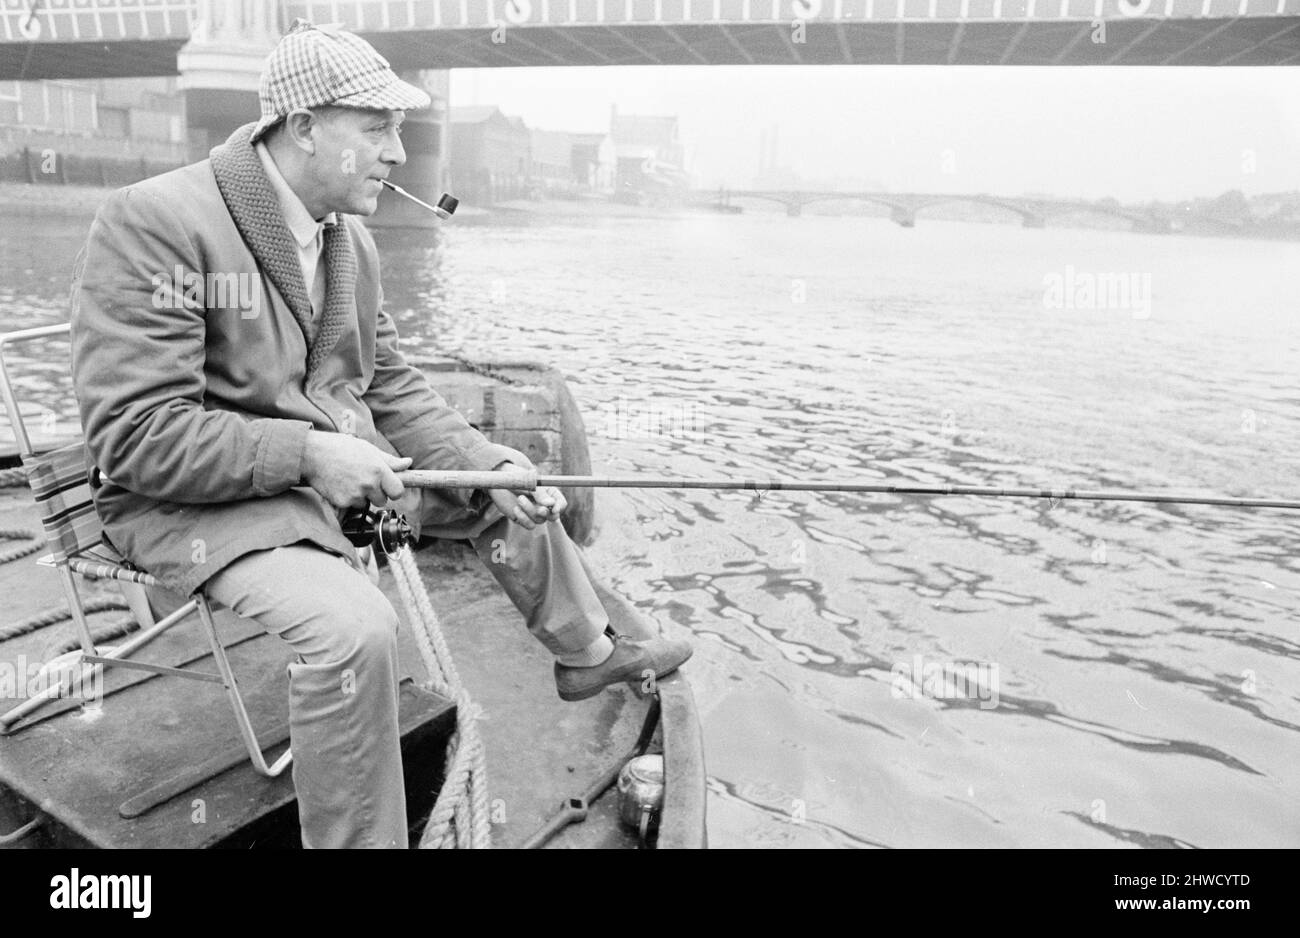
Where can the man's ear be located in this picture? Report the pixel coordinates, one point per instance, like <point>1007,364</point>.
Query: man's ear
<point>298,126</point>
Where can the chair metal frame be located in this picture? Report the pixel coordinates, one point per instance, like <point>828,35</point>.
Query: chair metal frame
<point>133,584</point>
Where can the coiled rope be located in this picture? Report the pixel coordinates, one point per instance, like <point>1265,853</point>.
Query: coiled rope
<point>57,614</point>
<point>19,534</point>
<point>460,815</point>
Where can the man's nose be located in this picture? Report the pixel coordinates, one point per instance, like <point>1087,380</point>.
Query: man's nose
<point>393,153</point>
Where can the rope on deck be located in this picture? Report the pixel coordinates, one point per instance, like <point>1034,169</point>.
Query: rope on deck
<point>460,815</point>
<point>115,629</point>
<point>19,534</point>
<point>13,478</point>
<point>59,614</point>
<point>484,370</point>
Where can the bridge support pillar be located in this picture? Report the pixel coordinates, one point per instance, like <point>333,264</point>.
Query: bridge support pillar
<point>220,67</point>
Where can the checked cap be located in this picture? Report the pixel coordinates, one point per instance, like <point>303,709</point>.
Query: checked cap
<point>313,66</point>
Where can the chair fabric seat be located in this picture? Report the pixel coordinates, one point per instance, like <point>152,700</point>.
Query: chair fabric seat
<point>61,486</point>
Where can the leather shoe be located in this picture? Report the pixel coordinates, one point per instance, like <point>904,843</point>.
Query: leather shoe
<point>629,661</point>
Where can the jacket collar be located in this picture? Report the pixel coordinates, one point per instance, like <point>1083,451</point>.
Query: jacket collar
<point>256,211</point>
<point>302,226</point>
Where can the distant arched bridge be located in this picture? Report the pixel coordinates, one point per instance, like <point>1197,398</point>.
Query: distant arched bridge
<point>904,206</point>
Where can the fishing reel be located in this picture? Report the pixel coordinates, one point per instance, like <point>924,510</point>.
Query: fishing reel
<point>381,527</point>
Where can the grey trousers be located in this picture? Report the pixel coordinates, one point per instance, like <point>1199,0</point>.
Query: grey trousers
<point>343,730</point>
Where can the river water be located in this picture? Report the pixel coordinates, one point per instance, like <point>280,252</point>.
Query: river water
<point>895,671</point>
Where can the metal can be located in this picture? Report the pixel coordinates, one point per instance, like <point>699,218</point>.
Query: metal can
<point>641,792</point>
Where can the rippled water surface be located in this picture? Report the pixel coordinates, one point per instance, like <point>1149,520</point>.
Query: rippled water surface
<point>1129,672</point>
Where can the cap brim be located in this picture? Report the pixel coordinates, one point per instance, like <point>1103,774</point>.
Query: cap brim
<point>397,95</point>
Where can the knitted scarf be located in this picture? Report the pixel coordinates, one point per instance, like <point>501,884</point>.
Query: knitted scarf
<point>256,212</point>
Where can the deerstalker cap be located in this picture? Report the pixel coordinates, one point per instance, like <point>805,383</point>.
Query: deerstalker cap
<point>312,66</point>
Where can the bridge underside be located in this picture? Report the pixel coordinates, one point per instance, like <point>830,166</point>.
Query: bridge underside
<point>1228,41</point>
<point>122,58</point>
<point>1257,41</point>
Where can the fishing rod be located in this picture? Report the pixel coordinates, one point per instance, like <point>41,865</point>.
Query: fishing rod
<point>519,480</point>
<point>526,481</point>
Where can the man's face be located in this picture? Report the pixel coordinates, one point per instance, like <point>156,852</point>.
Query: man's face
<point>354,149</point>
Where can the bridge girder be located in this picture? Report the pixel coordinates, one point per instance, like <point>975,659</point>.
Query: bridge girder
<point>140,37</point>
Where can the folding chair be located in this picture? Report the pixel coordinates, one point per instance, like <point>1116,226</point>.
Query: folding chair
<point>60,483</point>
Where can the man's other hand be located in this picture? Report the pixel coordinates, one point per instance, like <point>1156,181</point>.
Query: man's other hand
<point>349,472</point>
<point>528,509</point>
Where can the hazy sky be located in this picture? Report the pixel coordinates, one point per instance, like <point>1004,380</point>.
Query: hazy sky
<point>1132,133</point>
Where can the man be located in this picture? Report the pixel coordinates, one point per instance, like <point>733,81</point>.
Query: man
<point>240,385</point>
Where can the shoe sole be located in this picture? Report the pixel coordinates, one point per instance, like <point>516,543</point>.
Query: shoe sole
<point>628,679</point>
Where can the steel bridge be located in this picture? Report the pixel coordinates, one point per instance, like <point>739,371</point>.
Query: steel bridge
<point>113,38</point>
